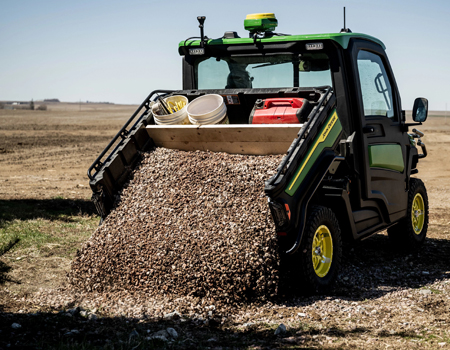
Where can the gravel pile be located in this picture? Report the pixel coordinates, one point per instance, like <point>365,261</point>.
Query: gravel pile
<point>191,224</point>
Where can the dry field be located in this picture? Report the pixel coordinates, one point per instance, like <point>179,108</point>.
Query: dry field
<point>46,154</point>
<point>383,298</point>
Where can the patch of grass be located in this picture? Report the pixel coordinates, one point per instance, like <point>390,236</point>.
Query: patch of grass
<point>303,327</point>
<point>434,336</point>
<point>435,291</point>
<point>32,233</point>
<point>49,233</point>
<point>42,235</point>
<point>55,227</point>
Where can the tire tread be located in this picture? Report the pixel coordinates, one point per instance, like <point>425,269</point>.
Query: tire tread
<point>311,282</point>
<point>402,235</point>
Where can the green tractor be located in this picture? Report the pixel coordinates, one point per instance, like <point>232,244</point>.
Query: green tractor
<point>330,103</point>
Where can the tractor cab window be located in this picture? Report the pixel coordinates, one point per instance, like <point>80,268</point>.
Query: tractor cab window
<point>263,71</point>
<point>375,86</point>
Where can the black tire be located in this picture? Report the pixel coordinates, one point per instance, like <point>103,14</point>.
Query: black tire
<point>410,233</point>
<point>318,275</point>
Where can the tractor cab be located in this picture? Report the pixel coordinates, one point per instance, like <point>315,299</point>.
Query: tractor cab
<point>375,143</point>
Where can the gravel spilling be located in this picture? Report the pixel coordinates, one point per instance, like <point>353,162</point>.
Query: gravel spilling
<point>191,224</point>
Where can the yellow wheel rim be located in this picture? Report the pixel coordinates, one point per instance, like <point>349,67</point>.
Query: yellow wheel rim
<point>322,251</point>
<point>418,213</point>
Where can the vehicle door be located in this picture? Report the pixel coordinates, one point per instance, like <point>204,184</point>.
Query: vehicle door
<point>383,141</point>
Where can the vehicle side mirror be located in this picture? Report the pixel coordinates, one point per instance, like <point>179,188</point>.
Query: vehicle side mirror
<point>420,110</point>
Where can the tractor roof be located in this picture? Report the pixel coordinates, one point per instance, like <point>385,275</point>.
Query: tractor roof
<point>342,39</point>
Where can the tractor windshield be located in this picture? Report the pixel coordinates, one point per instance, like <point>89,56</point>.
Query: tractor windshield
<point>268,71</point>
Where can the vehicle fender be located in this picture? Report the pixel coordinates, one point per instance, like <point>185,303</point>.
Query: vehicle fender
<point>327,164</point>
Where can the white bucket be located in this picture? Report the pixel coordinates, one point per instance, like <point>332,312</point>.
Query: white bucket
<point>178,118</point>
<point>208,110</point>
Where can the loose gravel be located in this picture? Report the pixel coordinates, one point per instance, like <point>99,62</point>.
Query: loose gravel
<point>191,224</point>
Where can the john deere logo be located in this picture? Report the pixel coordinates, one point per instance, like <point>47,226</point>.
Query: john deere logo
<point>329,126</point>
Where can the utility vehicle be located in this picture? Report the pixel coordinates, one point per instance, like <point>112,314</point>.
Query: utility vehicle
<point>349,157</point>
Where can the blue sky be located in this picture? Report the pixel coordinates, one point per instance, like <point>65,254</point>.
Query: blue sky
<point>119,51</point>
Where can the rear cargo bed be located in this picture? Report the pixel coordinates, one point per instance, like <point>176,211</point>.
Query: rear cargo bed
<point>110,170</point>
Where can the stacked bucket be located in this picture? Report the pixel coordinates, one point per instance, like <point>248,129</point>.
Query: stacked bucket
<point>204,110</point>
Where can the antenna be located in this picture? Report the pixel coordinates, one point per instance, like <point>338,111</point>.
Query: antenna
<point>344,19</point>
<point>345,29</point>
<point>201,20</point>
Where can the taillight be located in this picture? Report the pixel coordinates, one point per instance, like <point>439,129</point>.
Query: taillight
<point>281,215</point>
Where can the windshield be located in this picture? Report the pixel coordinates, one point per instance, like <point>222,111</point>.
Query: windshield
<point>269,71</point>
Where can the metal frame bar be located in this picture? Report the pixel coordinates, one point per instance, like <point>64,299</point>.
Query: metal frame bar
<point>123,133</point>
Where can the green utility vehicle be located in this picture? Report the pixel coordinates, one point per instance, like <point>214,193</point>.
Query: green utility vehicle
<point>330,103</point>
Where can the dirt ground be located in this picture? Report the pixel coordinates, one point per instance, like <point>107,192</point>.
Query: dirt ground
<point>44,155</point>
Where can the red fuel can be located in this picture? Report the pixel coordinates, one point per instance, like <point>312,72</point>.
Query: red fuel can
<point>280,111</point>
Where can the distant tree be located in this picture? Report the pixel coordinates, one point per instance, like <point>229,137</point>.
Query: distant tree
<point>32,105</point>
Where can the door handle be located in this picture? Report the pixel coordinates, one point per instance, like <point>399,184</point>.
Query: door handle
<point>368,129</point>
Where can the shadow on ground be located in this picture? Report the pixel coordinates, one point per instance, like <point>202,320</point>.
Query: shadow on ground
<point>370,269</point>
<point>373,268</point>
<point>65,331</point>
<point>5,268</point>
<point>50,209</point>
